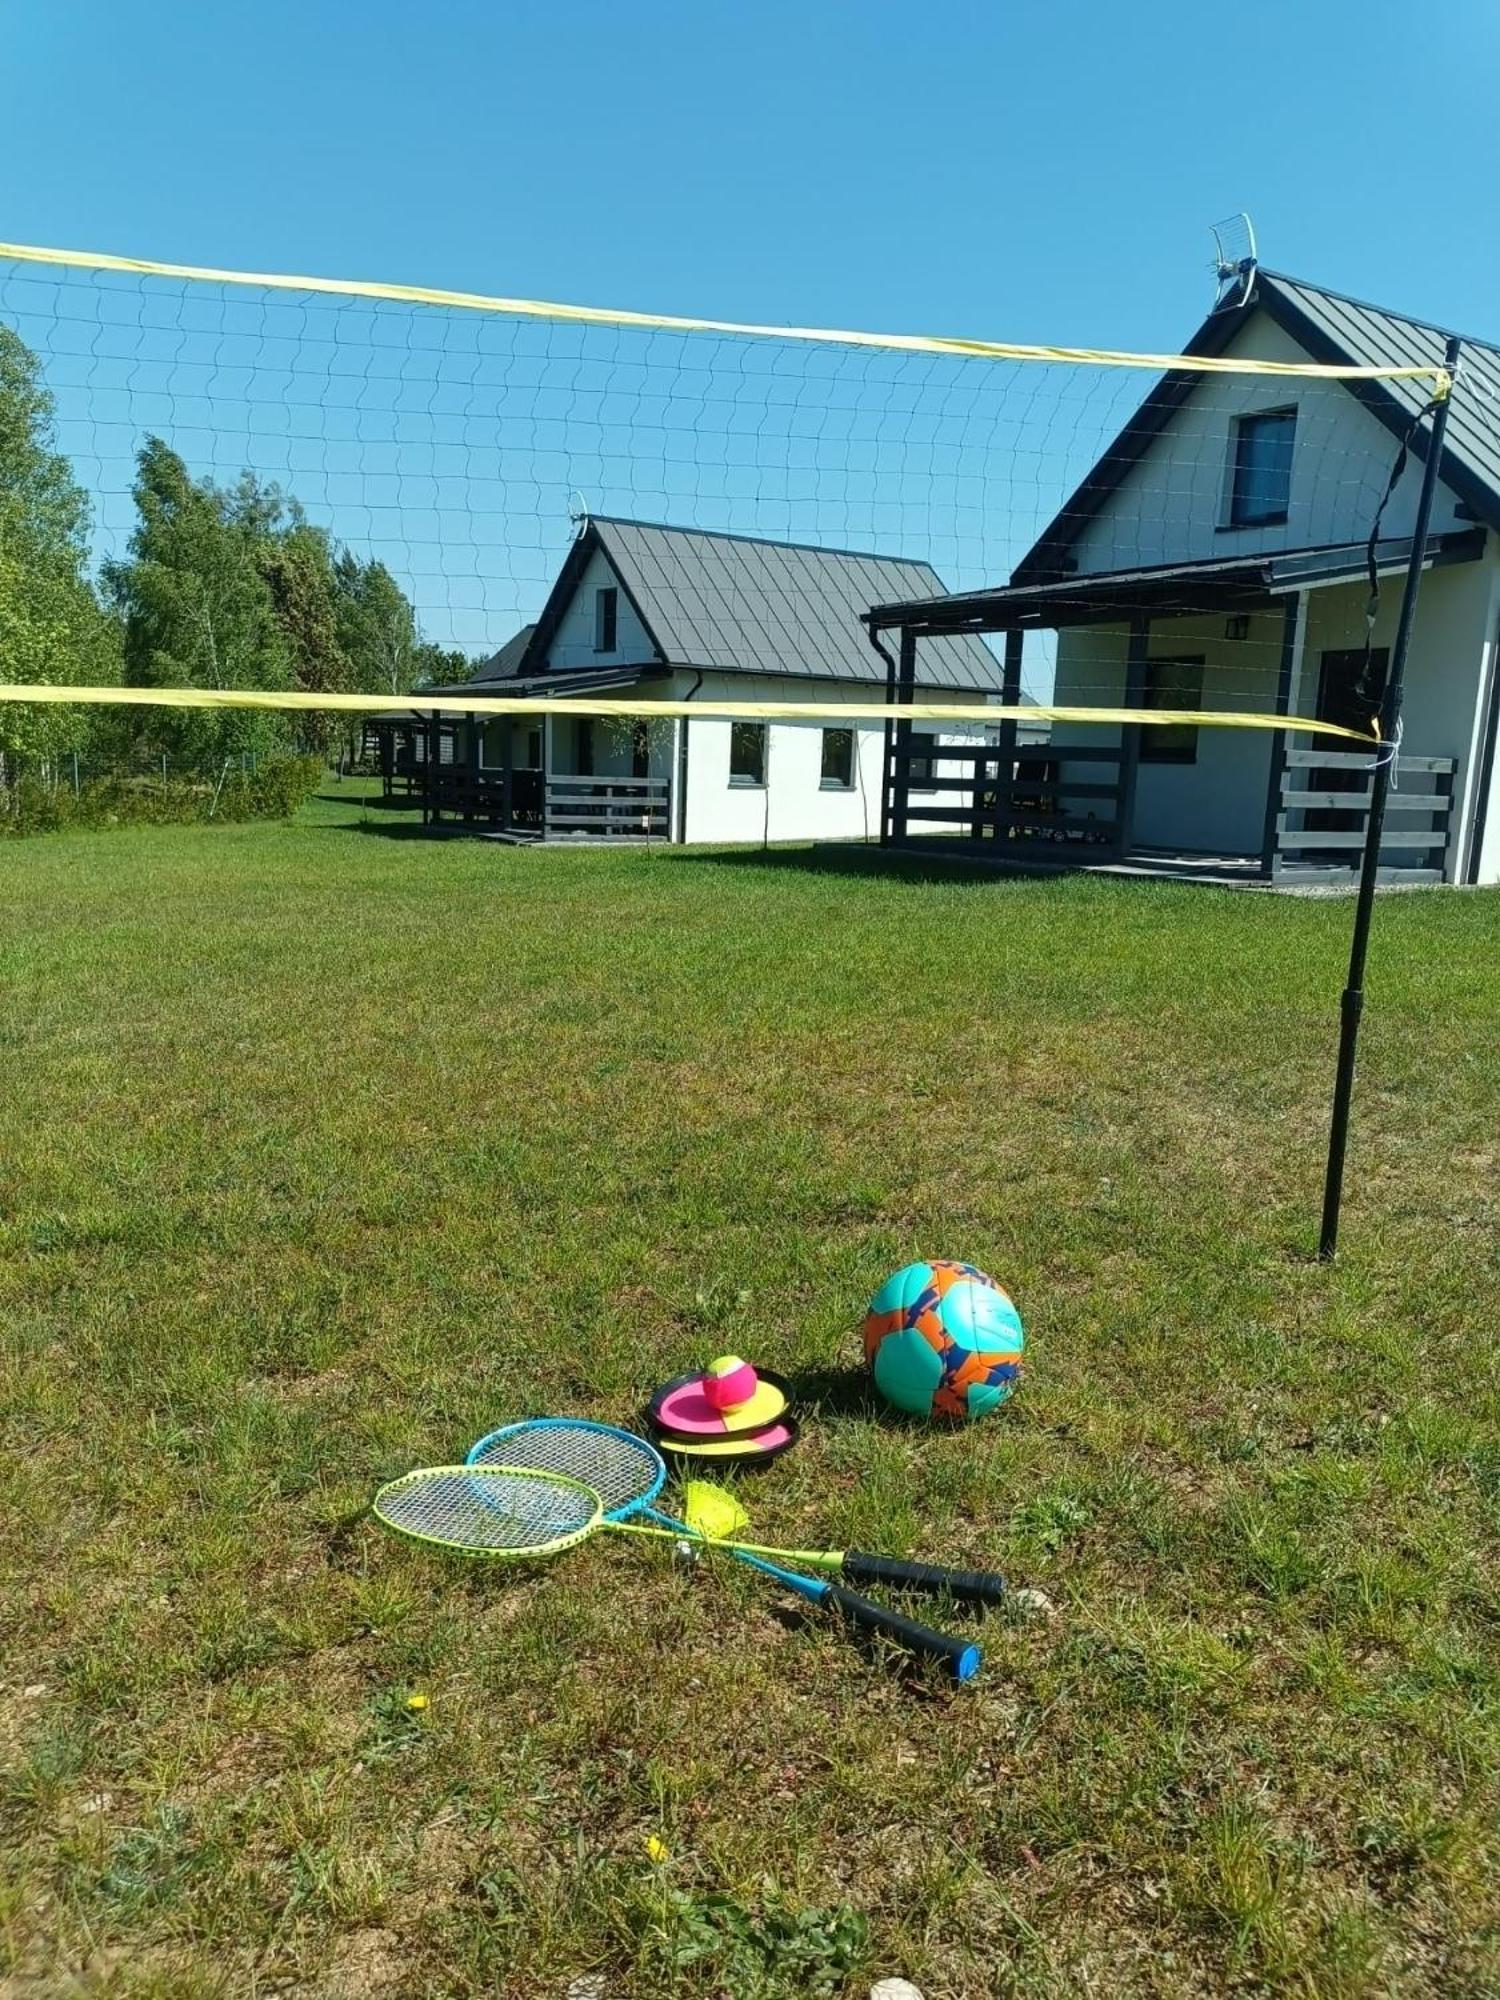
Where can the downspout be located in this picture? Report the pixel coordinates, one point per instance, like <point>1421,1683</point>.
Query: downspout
<point>682,763</point>
<point>1486,777</point>
<point>890,732</point>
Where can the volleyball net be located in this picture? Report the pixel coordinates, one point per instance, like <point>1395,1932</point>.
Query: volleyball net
<point>250,492</point>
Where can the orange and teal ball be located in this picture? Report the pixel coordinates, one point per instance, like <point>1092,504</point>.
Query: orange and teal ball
<point>944,1340</point>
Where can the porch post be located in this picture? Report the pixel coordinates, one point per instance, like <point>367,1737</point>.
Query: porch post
<point>507,766</point>
<point>887,746</point>
<point>1291,648</point>
<point>432,771</point>
<point>470,782</point>
<point>1130,737</point>
<point>1005,776</point>
<point>906,689</point>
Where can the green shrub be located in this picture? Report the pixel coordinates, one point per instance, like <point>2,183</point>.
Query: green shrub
<point>274,791</point>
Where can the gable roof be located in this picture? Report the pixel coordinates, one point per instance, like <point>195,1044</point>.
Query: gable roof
<point>739,604</point>
<point>1332,328</point>
<point>506,664</point>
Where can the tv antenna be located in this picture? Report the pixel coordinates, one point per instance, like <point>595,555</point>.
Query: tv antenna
<point>578,513</point>
<point>1234,260</point>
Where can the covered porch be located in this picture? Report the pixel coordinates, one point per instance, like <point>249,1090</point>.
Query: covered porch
<point>532,778</point>
<point>1279,635</point>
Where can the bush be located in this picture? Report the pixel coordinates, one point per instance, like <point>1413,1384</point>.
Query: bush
<point>274,791</point>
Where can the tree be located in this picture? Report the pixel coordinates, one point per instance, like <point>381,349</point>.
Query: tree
<point>52,627</point>
<point>197,606</point>
<point>298,565</point>
<point>441,666</point>
<point>376,626</point>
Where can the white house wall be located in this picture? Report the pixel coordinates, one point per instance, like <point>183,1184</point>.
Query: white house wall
<point>792,805</point>
<point>1172,505</point>
<point>1216,804</point>
<point>573,642</point>
<point>1451,645</point>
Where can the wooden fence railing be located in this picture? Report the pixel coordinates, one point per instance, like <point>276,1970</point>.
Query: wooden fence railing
<point>1324,815</point>
<point>1040,802</point>
<point>612,808</point>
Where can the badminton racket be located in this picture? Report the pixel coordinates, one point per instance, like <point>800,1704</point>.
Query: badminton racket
<point>628,1473</point>
<point>515,1514</point>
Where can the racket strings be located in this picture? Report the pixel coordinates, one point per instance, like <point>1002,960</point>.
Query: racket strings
<point>623,1470</point>
<point>489,1510</point>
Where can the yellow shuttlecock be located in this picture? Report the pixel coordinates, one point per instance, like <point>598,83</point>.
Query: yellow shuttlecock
<point>712,1512</point>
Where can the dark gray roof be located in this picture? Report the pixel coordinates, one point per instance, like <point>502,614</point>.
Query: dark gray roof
<point>505,664</point>
<point>738,604</point>
<point>1370,336</point>
<point>523,687</point>
<point>1331,328</point>
<point>1222,583</point>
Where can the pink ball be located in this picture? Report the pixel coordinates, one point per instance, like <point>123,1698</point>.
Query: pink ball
<point>728,1382</point>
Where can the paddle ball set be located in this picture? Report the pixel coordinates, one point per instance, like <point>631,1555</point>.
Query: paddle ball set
<point>941,1340</point>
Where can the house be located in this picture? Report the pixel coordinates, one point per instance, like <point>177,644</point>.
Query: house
<point>662,613</point>
<point>1217,556</point>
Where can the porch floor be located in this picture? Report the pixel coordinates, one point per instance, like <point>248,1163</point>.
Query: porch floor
<point>1160,864</point>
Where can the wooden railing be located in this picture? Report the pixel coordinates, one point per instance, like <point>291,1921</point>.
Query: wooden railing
<point>1031,802</point>
<point>608,808</point>
<point>1324,813</point>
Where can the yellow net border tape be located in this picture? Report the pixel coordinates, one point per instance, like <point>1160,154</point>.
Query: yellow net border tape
<point>826,712</point>
<point>905,343</point>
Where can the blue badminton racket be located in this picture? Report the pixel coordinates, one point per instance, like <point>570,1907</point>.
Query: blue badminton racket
<point>628,1473</point>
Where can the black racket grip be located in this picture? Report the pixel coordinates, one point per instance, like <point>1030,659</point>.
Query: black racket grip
<point>960,1656</point>
<point>965,1586</point>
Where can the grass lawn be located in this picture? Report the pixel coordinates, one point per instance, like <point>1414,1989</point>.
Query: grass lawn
<point>322,1151</point>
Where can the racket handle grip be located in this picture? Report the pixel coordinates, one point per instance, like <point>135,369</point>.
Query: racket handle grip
<point>966,1586</point>
<point>960,1656</point>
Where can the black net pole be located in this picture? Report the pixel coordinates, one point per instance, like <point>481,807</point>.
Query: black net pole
<point>1351,1006</point>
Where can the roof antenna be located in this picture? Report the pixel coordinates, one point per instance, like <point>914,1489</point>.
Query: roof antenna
<point>578,513</point>
<point>1234,261</point>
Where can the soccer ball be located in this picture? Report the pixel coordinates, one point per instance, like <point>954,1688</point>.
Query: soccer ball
<point>943,1340</point>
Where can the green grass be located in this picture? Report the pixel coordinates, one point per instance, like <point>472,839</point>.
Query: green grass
<point>321,1152</point>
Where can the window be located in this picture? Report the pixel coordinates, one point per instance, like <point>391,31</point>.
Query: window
<point>493,744</point>
<point>1172,684</point>
<point>919,771</point>
<point>747,753</point>
<point>533,758</point>
<point>606,619</point>
<point>838,760</point>
<point>584,743</point>
<point>1260,484</point>
<point>640,749</point>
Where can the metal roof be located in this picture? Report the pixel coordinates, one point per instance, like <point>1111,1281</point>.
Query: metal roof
<point>1331,328</point>
<point>1224,583</point>
<point>1371,336</point>
<point>506,664</point>
<point>738,604</point>
<point>522,687</point>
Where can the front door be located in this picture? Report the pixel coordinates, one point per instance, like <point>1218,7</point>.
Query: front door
<point>1350,684</point>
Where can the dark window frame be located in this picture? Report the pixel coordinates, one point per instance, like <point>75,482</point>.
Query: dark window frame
<point>738,732</point>
<point>835,783</point>
<point>1183,747</point>
<point>1240,513</point>
<point>606,618</point>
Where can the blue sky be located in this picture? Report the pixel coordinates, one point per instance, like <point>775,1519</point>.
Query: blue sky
<point>1036,173</point>
<point>1024,172</point>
